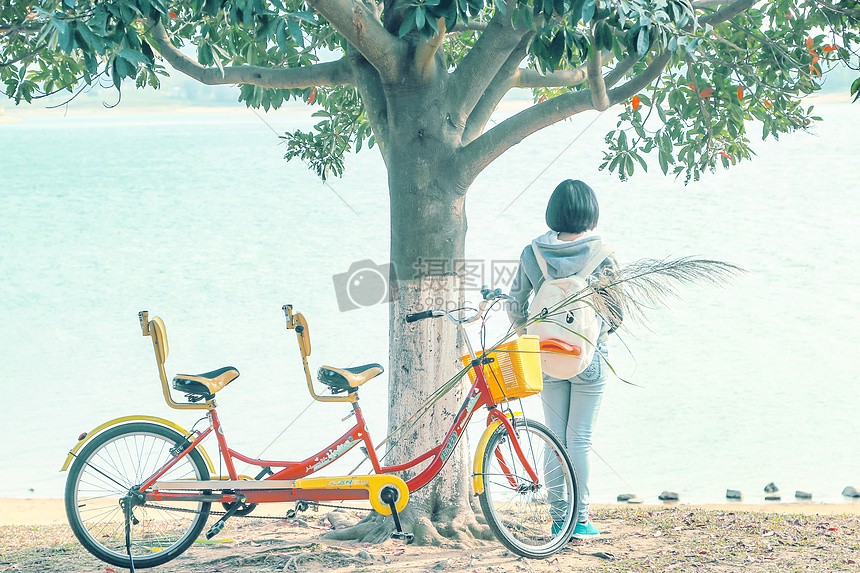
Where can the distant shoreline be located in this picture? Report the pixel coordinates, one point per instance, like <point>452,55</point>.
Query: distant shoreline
<point>52,511</point>
<point>12,113</point>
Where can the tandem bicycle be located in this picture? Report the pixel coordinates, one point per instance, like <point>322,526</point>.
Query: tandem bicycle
<point>140,489</point>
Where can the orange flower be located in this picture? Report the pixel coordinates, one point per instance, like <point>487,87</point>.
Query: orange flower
<point>636,102</point>
<point>767,103</point>
<point>741,92</point>
<point>809,42</point>
<point>173,15</point>
<point>830,48</point>
<point>727,156</point>
<point>814,70</point>
<point>312,96</point>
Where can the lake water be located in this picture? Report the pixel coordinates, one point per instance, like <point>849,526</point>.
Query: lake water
<point>198,219</point>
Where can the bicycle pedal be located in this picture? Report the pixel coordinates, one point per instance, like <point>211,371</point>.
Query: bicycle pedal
<point>402,536</point>
<point>216,528</point>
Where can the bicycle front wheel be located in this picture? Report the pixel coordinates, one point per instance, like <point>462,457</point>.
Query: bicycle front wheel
<point>106,470</point>
<point>532,518</point>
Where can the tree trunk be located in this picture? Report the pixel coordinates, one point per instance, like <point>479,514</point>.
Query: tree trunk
<point>428,236</point>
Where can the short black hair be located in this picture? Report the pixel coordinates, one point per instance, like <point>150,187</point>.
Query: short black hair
<point>572,208</point>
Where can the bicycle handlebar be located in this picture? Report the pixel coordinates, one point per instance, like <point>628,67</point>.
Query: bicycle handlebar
<point>489,296</point>
<point>419,316</point>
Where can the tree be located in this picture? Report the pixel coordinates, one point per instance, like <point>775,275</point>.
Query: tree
<point>420,80</point>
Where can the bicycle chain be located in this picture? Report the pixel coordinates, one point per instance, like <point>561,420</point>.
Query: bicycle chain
<point>185,510</point>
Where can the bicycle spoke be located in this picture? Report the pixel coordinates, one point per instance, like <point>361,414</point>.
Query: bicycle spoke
<point>530,517</point>
<point>113,463</point>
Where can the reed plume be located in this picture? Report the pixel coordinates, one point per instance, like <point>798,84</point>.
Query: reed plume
<point>631,290</point>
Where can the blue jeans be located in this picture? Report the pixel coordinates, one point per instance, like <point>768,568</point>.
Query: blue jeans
<point>570,409</point>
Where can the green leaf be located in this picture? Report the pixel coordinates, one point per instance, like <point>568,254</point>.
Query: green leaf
<point>556,50</point>
<point>120,70</point>
<point>296,32</point>
<point>407,24</point>
<point>305,16</point>
<point>64,35</point>
<point>93,41</point>
<point>133,56</point>
<point>855,89</point>
<point>281,36</point>
<point>603,36</point>
<point>643,41</point>
<point>576,10</point>
<point>419,17</point>
<point>433,26</point>
<point>587,11</point>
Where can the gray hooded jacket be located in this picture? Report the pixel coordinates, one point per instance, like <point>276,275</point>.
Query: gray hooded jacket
<point>563,259</point>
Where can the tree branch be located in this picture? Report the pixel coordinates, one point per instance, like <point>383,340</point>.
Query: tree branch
<point>324,74</point>
<point>480,152</point>
<point>595,76</point>
<point>25,28</point>
<point>481,65</point>
<point>369,86</point>
<point>562,78</point>
<point>505,79</point>
<point>470,26</point>
<point>640,82</point>
<point>727,13</point>
<point>838,9</point>
<point>620,70</point>
<point>32,52</point>
<point>655,68</point>
<point>425,52</point>
<point>475,156</point>
<point>709,3</point>
<point>360,25</point>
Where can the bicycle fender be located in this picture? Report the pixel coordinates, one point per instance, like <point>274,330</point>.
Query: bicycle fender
<point>115,422</point>
<point>374,485</point>
<point>478,465</point>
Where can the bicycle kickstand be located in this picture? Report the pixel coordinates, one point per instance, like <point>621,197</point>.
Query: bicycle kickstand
<point>390,496</point>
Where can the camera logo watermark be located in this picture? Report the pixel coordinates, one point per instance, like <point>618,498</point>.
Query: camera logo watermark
<point>364,284</point>
<point>369,284</point>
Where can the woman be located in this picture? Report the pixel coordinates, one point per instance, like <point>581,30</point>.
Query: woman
<point>570,406</point>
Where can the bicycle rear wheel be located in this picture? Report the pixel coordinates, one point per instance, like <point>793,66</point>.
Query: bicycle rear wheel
<point>532,519</point>
<point>106,469</point>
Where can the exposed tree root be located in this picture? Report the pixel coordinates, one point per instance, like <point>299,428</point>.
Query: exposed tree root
<point>445,529</point>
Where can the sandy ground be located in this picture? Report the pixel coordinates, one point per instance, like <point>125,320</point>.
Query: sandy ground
<point>721,538</point>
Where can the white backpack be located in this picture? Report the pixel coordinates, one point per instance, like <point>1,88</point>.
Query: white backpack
<point>568,333</point>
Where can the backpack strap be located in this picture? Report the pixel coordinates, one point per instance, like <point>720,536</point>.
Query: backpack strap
<point>590,265</point>
<point>540,260</point>
<point>595,260</point>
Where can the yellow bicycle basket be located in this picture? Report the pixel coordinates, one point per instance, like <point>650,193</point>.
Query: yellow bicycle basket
<point>515,372</point>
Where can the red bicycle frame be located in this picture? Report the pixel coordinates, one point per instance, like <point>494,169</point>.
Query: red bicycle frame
<point>479,395</point>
